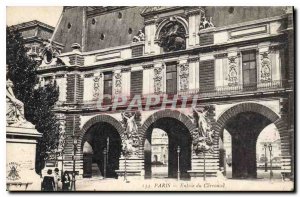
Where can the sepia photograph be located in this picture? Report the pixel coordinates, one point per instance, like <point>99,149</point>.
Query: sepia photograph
<point>150,98</point>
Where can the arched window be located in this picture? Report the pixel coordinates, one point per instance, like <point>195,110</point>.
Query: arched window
<point>172,37</point>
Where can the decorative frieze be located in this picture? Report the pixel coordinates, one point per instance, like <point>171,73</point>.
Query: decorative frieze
<point>184,76</point>
<point>265,67</point>
<point>233,71</point>
<point>118,83</point>
<point>158,77</point>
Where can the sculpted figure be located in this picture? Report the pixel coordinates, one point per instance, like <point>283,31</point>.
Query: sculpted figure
<point>15,108</point>
<point>131,137</point>
<point>203,135</point>
<point>131,127</point>
<point>139,37</point>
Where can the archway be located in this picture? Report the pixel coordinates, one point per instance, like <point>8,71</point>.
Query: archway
<point>244,122</point>
<point>269,136</point>
<point>101,133</point>
<point>178,128</point>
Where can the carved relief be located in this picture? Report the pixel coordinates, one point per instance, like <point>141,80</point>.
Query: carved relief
<point>184,76</point>
<point>158,83</point>
<point>118,83</point>
<point>265,67</point>
<point>130,137</point>
<point>233,71</point>
<point>172,36</point>
<point>203,135</point>
<point>96,92</point>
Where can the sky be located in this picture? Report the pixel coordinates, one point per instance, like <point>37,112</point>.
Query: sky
<point>48,15</point>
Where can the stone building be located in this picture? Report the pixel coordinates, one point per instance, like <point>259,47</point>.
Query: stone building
<point>159,147</point>
<point>34,33</point>
<point>189,71</point>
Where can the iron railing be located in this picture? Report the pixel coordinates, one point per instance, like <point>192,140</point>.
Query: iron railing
<point>203,92</point>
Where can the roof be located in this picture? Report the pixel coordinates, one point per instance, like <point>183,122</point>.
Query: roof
<point>34,30</point>
<point>33,23</point>
<point>101,27</point>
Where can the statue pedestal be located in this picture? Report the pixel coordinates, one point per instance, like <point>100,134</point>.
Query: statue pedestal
<point>134,169</point>
<point>20,158</point>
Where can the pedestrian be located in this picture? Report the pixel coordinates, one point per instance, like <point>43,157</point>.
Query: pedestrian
<point>57,178</point>
<point>48,183</point>
<point>66,182</point>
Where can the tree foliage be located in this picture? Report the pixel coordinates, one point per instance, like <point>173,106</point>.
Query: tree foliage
<point>38,101</point>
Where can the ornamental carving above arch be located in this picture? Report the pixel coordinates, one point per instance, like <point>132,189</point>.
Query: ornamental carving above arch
<point>172,36</point>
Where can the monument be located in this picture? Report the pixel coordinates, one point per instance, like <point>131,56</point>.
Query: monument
<point>21,140</point>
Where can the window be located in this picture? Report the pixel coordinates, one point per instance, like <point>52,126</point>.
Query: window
<point>249,70</point>
<point>136,85</point>
<point>171,82</point>
<point>107,86</point>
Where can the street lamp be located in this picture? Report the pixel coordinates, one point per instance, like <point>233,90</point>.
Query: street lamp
<point>104,170</point>
<point>266,160</point>
<point>178,168</point>
<point>271,172</point>
<point>75,142</point>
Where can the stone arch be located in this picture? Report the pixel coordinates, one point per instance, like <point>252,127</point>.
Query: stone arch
<point>167,113</point>
<point>268,114</point>
<point>249,107</point>
<point>97,119</point>
<point>165,21</point>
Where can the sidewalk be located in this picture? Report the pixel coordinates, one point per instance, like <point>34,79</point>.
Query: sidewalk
<point>174,185</point>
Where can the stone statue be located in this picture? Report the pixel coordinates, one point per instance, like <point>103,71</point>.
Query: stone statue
<point>139,37</point>
<point>204,23</point>
<point>204,134</point>
<point>131,137</point>
<point>14,107</point>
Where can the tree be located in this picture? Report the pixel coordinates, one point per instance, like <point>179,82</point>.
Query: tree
<point>38,101</point>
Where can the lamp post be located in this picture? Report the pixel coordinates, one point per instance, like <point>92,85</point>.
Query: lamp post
<point>204,170</point>
<point>266,160</point>
<point>271,171</point>
<point>178,167</point>
<point>75,141</point>
<point>104,170</point>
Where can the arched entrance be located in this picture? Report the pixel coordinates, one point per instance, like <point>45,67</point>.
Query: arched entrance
<point>244,122</point>
<point>99,134</point>
<point>178,127</point>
